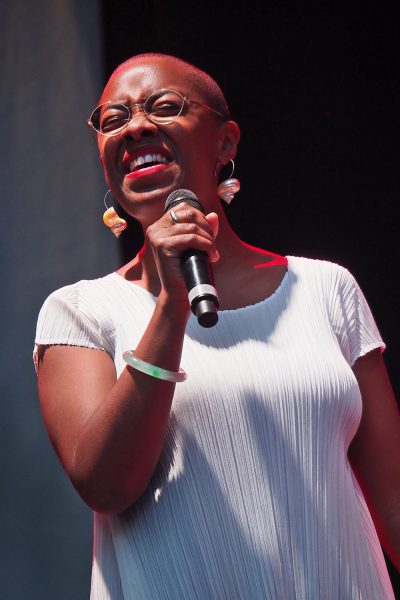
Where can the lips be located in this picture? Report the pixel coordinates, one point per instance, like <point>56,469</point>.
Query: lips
<point>145,160</point>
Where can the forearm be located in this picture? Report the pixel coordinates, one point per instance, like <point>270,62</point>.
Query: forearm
<point>375,449</point>
<point>119,446</point>
<point>384,506</point>
<point>388,528</point>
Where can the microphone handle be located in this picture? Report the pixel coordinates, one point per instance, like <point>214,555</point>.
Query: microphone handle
<point>196,269</point>
<point>200,284</point>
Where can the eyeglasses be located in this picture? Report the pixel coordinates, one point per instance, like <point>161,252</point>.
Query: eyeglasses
<point>161,108</point>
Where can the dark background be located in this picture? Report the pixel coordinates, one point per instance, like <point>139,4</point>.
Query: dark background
<point>316,94</point>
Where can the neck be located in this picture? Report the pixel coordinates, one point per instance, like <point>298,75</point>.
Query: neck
<point>235,256</point>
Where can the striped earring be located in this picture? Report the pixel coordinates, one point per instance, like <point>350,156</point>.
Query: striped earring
<point>112,220</point>
<point>229,187</point>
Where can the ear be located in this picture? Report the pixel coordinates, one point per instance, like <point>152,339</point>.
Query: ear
<point>229,139</point>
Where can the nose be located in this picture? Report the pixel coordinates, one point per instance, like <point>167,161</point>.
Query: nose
<point>139,124</point>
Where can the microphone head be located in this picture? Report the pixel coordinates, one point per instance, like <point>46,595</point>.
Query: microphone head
<point>178,196</point>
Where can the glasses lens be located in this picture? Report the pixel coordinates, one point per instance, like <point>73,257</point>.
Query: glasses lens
<point>110,118</point>
<point>164,106</point>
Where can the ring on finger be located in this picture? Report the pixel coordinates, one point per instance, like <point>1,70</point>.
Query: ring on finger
<point>173,217</point>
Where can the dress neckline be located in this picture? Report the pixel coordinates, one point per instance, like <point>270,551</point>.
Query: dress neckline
<point>275,294</point>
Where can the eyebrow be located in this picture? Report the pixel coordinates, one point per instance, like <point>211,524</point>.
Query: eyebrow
<point>147,95</point>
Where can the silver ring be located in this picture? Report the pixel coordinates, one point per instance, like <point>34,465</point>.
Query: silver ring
<point>173,216</point>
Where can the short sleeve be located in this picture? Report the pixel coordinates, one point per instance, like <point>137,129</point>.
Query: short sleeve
<point>354,323</point>
<point>67,318</point>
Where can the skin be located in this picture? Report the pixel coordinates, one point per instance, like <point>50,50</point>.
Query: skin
<point>107,431</point>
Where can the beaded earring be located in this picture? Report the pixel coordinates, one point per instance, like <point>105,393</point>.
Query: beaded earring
<point>229,187</point>
<point>112,220</point>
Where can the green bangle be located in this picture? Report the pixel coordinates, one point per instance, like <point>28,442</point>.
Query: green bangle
<point>145,367</point>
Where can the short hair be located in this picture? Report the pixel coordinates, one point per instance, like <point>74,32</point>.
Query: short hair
<point>204,83</point>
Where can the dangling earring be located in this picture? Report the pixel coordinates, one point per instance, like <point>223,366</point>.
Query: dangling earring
<point>228,188</point>
<point>112,220</point>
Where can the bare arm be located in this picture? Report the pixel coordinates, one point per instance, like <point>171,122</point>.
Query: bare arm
<point>108,432</point>
<point>375,451</point>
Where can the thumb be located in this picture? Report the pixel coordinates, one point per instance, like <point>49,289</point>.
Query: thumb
<point>212,220</point>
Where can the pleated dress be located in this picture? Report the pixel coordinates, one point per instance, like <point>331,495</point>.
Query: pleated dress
<point>253,497</point>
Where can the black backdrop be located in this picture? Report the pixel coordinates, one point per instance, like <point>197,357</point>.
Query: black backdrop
<point>316,94</point>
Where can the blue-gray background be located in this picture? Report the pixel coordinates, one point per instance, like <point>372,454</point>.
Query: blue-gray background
<point>316,95</point>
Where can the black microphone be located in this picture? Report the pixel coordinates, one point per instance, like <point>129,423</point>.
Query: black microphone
<point>203,297</point>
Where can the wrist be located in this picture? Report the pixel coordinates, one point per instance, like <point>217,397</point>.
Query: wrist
<point>176,306</point>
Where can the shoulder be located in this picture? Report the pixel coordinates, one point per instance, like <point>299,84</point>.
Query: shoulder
<point>83,296</point>
<point>85,288</point>
<point>326,283</point>
<point>332,286</point>
<point>77,315</point>
<point>314,265</point>
<point>84,302</point>
<point>313,271</point>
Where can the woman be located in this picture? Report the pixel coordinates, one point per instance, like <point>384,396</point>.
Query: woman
<point>237,482</point>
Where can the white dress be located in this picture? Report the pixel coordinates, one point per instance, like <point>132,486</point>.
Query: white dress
<point>253,497</point>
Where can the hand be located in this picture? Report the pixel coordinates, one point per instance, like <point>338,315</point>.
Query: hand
<point>169,240</point>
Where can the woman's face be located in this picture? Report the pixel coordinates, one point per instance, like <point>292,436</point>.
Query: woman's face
<point>189,147</point>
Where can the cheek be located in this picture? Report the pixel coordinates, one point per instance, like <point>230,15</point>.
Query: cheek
<point>106,153</point>
<point>204,145</point>
<point>107,162</point>
<point>206,157</point>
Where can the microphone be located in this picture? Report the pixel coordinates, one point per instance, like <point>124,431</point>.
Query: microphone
<point>203,297</point>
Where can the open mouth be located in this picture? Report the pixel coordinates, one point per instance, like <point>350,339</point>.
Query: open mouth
<point>146,160</point>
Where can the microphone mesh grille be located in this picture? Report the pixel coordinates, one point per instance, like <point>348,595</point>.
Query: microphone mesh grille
<point>182,195</point>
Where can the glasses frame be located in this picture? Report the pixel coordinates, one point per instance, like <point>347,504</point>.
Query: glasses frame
<point>185,100</point>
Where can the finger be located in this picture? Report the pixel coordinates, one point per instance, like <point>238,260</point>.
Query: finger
<point>213,221</point>
<point>174,217</point>
<point>184,214</point>
<point>190,232</point>
<point>174,241</point>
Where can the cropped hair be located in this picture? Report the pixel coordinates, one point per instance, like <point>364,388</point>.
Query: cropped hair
<point>207,87</point>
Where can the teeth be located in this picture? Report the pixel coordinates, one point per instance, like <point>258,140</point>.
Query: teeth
<point>147,158</point>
